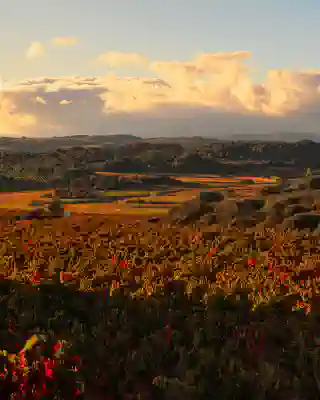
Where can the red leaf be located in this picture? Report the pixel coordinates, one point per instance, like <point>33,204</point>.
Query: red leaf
<point>123,263</point>
<point>212,251</point>
<point>56,347</point>
<point>67,276</point>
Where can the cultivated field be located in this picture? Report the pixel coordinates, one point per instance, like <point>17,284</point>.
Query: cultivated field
<point>129,202</point>
<point>21,200</point>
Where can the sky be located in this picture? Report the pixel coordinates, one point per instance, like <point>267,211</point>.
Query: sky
<point>169,67</point>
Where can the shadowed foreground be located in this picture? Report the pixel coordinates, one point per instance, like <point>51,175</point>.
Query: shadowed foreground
<point>168,347</point>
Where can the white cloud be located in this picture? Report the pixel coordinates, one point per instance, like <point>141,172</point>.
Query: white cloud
<point>64,41</point>
<point>35,50</point>
<point>212,94</point>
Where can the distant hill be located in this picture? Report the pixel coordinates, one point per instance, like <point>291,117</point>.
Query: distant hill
<point>43,145</point>
<point>39,145</point>
<point>278,137</point>
<point>48,161</point>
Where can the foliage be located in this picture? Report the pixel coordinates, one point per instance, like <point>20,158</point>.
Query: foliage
<point>168,312</point>
<point>160,311</point>
<point>169,346</point>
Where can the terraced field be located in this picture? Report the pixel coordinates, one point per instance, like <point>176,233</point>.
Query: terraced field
<point>213,183</point>
<point>154,202</point>
<point>114,208</point>
<point>21,200</point>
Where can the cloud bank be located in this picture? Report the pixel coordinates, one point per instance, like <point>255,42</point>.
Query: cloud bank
<point>212,94</point>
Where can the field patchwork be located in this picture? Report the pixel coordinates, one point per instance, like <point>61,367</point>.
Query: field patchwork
<point>149,202</point>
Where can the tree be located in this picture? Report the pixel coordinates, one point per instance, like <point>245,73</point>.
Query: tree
<point>56,207</point>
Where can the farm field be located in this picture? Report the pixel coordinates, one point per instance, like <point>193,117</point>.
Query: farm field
<point>114,208</point>
<point>126,202</point>
<point>129,193</point>
<point>21,200</point>
<point>191,177</point>
<point>178,197</point>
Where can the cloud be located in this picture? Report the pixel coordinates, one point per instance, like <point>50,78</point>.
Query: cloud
<point>65,102</point>
<point>116,59</point>
<point>35,50</point>
<point>40,100</point>
<point>64,41</point>
<point>212,94</point>
<point>12,120</point>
